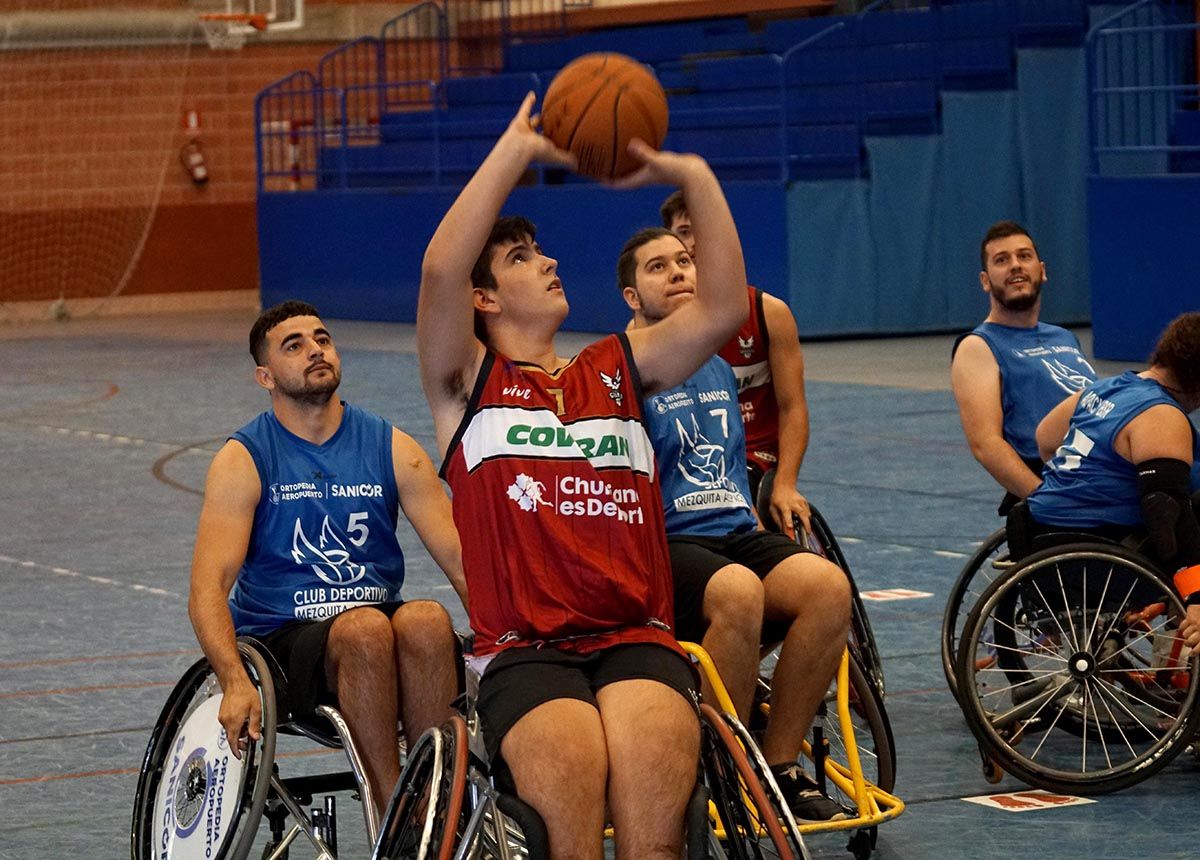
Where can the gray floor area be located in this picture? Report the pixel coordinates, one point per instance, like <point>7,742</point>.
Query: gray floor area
<point>107,428</point>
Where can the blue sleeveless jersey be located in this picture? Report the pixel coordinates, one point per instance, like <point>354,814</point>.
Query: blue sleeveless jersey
<point>700,444</point>
<point>1088,483</point>
<point>1039,368</point>
<point>324,536</point>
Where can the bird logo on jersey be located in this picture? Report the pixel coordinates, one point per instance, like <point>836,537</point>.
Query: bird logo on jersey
<point>330,560</point>
<point>527,493</point>
<point>702,463</point>
<point>614,385</point>
<point>1068,379</point>
<point>746,345</point>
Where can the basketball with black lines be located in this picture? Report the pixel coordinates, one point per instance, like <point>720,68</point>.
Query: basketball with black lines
<point>598,103</point>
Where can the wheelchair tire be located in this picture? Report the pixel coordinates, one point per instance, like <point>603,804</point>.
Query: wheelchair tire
<point>192,792</point>
<point>872,733</point>
<point>423,816</point>
<point>752,816</point>
<point>1078,697</point>
<point>862,637</point>
<point>976,575</point>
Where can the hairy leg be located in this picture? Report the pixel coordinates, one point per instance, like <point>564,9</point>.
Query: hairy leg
<point>653,739</point>
<point>812,596</point>
<point>360,666</point>
<point>733,608</point>
<point>558,760</point>
<point>425,672</point>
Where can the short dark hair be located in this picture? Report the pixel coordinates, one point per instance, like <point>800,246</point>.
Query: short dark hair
<point>627,262</point>
<point>272,317</point>
<point>1178,350</point>
<point>510,228</point>
<point>672,208</point>
<point>1002,230</point>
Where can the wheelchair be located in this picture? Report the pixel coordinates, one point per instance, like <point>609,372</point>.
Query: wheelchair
<point>194,798</point>
<point>822,541</point>
<point>977,574</point>
<point>1070,670</point>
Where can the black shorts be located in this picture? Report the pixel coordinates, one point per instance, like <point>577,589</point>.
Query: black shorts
<point>299,649</point>
<point>696,558</point>
<point>520,679</point>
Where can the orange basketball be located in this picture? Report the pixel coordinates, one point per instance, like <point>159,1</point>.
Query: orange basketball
<point>599,102</point>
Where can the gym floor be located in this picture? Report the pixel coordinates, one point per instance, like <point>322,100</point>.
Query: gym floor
<point>108,426</point>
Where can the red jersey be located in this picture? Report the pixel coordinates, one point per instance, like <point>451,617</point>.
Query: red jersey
<point>747,354</point>
<point>557,502</point>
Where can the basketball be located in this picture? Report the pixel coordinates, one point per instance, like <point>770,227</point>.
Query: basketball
<point>599,102</point>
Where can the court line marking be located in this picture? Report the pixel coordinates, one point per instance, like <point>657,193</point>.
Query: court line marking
<point>99,580</point>
<point>94,688</point>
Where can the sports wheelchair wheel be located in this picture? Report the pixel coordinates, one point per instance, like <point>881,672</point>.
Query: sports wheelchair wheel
<point>755,822</point>
<point>1070,671</point>
<point>194,798</point>
<point>977,574</point>
<point>423,816</point>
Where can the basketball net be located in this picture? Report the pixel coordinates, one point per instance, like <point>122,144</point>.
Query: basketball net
<point>88,137</point>
<point>227,31</point>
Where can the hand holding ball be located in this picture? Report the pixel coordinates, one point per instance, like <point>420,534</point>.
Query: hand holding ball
<point>598,103</point>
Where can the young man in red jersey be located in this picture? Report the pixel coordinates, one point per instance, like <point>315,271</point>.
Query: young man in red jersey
<point>766,359</point>
<point>585,694</point>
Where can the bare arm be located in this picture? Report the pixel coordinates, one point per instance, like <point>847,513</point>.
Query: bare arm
<point>428,509</point>
<point>1160,431</point>
<point>975,380</point>
<point>231,494</point>
<point>672,350</point>
<point>450,355</point>
<point>1052,430</point>
<point>787,376</point>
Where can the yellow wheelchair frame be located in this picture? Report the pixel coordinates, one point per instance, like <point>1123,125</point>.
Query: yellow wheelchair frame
<point>872,804</point>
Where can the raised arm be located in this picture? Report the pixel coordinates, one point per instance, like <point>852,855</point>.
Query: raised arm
<point>449,352</point>
<point>428,508</point>
<point>231,494</point>
<point>975,380</point>
<point>670,351</point>
<point>787,377</point>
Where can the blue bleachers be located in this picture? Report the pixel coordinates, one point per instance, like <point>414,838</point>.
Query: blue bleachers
<point>875,73</point>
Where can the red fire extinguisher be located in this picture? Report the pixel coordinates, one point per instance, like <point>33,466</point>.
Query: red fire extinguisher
<point>191,156</point>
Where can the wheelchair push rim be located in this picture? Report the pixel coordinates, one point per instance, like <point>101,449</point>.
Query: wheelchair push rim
<point>1083,694</point>
<point>195,799</point>
<point>976,575</point>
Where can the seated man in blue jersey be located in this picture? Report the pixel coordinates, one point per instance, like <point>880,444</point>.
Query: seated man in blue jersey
<point>1011,370</point>
<point>729,574</point>
<point>1123,456</point>
<point>299,522</point>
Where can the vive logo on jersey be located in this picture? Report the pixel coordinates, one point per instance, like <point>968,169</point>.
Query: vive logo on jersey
<point>527,493</point>
<point>329,558</point>
<point>702,464</point>
<point>746,346</point>
<point>1067,378</point>
<point>614,385</point>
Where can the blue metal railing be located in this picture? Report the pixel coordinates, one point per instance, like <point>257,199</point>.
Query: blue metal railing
<point>415,45</point>
<point>1142,83</point>
<point>289,128</point>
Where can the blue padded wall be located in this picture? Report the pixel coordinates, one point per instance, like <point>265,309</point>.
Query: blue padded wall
<point>359,255</point>
<point>1141,234</point>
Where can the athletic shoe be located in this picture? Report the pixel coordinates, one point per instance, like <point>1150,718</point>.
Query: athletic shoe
<point>804,797</point>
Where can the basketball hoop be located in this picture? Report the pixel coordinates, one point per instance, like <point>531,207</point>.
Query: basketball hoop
<point>227,31</point>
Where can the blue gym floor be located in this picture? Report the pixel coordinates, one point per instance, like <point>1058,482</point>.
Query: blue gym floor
<point>107,428</point>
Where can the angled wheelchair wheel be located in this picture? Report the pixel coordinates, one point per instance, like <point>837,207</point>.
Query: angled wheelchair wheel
<point>872,734</point>
<point>976,575</point>
<point>754,823</point>
<point>862,637</point>
<point>423,818</point>
<point>1087,690</point>
<point>194,798</point>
